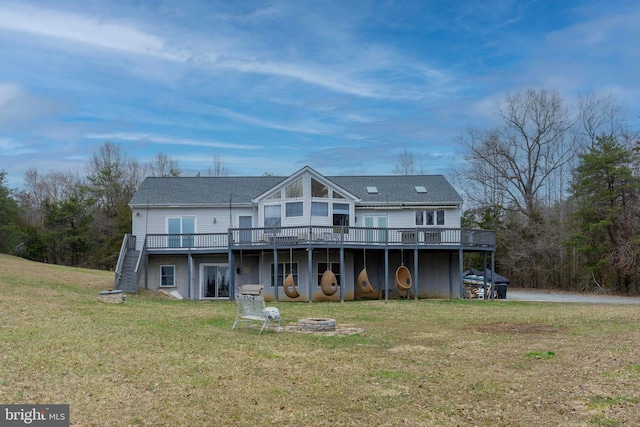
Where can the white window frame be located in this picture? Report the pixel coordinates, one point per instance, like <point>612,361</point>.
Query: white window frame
<point>435,214</point>
<point>289,214</point>
<point>162,275</point>
<point>264,210</point>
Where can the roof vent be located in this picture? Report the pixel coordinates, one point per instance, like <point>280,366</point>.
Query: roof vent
<point>420,189</point>
<point>372,190</point>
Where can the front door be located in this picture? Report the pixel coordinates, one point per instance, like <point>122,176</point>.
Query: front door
<point>214,281</point>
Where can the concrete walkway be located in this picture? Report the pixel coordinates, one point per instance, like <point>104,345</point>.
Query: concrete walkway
<point>544,295</point>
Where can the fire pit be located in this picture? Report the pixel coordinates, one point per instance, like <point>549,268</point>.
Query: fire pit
<point>317,324</point>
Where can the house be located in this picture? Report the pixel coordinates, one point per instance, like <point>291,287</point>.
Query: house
<point>319,238</point>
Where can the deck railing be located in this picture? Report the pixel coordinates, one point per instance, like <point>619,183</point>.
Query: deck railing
<point>325,235</point>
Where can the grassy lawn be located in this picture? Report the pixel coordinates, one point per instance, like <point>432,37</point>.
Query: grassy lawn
<point>158,361</point>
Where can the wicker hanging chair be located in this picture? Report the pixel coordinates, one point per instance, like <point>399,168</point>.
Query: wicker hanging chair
<point>363,282</point>
<point>290,284</point>
<point>403,278</point>
<point>328,283</point>
<point>290,287</point>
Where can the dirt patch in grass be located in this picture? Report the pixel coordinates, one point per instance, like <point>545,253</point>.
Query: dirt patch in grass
<point>516,328</point>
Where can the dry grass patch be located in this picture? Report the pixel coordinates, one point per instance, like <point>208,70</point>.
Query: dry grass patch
<point>158,361</point>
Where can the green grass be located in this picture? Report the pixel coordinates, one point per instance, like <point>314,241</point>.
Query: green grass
<point>541,355</point>
<point>158,361</point>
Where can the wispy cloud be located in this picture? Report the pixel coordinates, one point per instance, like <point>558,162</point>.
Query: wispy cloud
<point>164,140</point>
<point>308,126</point>
<point>82,29</point>
<point>9,147</point>
<point>347,73</point>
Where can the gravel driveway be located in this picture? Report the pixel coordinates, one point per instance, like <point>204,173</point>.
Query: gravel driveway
<point>559,296</point>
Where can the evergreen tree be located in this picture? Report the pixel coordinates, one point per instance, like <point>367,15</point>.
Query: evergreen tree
<point>606,193</point>
<point>10,234</point>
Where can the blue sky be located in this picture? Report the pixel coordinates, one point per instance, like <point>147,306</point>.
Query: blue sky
<point>341,86</point>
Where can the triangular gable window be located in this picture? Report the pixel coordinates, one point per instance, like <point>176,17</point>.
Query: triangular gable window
<point>318,189</point>
<point>294,190</point>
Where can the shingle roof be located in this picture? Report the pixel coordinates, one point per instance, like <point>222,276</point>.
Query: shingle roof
<point>400,188</point>
<point>242,189</point>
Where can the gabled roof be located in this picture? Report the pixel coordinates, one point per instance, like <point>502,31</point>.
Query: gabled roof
<point>212,191</point>
<point>208,191</point>
<point>306,170</point>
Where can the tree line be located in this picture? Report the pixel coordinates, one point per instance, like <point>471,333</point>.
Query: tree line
<point>560,186</point>
<point>79,220</point>
<point>558,182</point>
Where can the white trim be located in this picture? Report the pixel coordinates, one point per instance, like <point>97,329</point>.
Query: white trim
<point>201,284</point>
<point>160,285</point>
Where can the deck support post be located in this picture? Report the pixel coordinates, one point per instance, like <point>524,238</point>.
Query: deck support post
<point>342,278</point>
<point>275,268</point>
<point>415,270</point>
<point>310,271</point>
<point>460,272</point>
<point>232,275</point>
<point>386,273</point>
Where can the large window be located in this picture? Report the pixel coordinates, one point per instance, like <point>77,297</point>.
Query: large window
<point>294,190</point>
<point>430,217</point>
<point>293,209</point>
<point>272,216</point>
<point>167,276</point>
<point>319,209</point>
<point>284,269</point>
<point>181,231</point>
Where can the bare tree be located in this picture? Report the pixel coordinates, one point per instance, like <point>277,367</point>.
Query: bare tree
<point>164,166</point>
<point>405,165</point>
<point>600,115</point>
<point>219,167</point>
<point>41,189</point>
<point>517,161</point>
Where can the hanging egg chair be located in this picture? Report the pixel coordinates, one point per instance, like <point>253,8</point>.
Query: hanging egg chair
<point>289,284</point>
<point>363,277</point>
<point>403,278</point>
<point>290,287</point>
<point>363,282</point>
<point>328,283</point>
